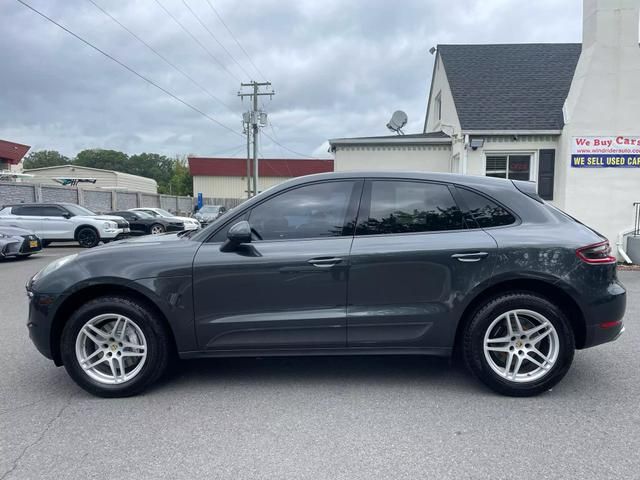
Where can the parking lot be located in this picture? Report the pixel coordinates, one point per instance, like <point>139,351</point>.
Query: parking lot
<point>356,417</point>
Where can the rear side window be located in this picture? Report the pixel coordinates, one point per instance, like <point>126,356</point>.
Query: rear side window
<point>482,211</point>
<point>27,211</point>
<point>395,206</point>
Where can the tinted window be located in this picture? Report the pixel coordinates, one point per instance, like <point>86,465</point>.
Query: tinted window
<point>38,211</point>
<point>307,212</point>
<point>407,207</point>
<point>221,235</point>
<point>485,212</point>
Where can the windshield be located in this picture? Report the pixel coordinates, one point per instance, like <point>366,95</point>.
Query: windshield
<point>209,209</point>
<point>78,210</point>
<point>163,213</point>
<point>142,214</point>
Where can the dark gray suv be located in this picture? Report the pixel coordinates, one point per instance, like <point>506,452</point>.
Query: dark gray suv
<point>335,264</point>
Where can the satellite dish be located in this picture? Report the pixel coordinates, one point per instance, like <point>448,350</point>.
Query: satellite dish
<point>398,120</point>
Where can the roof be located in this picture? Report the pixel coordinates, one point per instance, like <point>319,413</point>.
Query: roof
<point>90,169</point>
<point>432,138</point>
<point>12,152</point>
<point>268,167</point>
<point>510,86</point>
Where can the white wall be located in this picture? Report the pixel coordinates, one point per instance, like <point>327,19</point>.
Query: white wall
<point>449,117</point>
<point>604,100</point>
<point>230,187</point>
<point>427,158</point>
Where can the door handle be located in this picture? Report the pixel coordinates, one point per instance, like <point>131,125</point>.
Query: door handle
<point>470,257</point>
<point>324,262</point>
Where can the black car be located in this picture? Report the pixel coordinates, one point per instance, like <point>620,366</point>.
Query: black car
<point>342,264</point>
<point>142,223</point>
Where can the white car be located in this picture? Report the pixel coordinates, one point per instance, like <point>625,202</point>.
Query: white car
<point>189,223</point>
<point>60,222</point>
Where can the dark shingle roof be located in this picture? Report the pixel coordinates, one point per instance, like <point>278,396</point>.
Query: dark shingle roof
<point>510,86</point>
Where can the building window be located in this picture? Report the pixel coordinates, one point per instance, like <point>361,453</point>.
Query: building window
<point>514,167</point>
<point>438,106</point>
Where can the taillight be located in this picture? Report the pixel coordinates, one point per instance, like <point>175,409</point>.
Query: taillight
<point>596,254</point>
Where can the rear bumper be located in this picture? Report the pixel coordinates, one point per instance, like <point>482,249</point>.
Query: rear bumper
<point>604,317</point>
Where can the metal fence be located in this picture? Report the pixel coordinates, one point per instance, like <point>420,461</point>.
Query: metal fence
<point>102,201</point>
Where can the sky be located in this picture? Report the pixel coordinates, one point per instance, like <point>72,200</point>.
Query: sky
<point>339,68</point>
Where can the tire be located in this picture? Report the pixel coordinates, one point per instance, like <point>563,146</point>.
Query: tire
<point>108,314</point>
<point>493,354</point>
<point>156,229</point>
<point>87,237</point>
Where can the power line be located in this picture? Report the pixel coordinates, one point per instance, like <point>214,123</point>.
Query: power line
<point>139,75</point>
<point>236,40</point>
<point>285,147</point>
<point>215,38</point>
<point>195,39</point>
<point>162,57</point>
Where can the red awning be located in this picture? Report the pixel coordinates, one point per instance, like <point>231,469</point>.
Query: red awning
<point>269,167</point>
<point>12,152</point>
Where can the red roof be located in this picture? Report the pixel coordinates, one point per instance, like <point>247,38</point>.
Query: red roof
<point>269,167</point>
<point>12,152</point>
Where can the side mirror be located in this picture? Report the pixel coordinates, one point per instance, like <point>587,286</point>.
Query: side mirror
<point>238,234</point>
<point>66,215</point>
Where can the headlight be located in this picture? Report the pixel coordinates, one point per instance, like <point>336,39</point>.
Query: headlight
<point>110,225</point>
<point>53,266</point>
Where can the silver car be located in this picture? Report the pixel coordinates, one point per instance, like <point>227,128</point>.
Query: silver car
<point>18,242</point>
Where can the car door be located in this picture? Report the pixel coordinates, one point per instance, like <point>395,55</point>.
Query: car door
<point>413,260</point>
<point>27,217</point>
<point>136,224</point>
<point>288,287</point>
<point>56,223</point>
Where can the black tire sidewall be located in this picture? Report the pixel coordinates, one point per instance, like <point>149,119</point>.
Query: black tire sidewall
<point>94,231</point>
<point>152,329</point>
<point>474,343</point>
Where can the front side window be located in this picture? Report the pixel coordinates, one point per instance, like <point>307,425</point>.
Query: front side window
<point>481,211</point>
<point>407,207</point>
<point>311,211</point>
<point>513,167</point>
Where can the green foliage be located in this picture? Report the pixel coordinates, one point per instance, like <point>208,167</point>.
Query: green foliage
<point>105,159</point>
<point>44,158</point>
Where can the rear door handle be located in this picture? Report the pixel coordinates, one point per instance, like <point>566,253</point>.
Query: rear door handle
<point>324,262</point>
<point>470,257</point>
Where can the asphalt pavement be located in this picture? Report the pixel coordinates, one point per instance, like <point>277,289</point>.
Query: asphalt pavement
<point>308,418</point>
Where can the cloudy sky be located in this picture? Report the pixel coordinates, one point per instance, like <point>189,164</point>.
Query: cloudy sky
<point>339,67</point>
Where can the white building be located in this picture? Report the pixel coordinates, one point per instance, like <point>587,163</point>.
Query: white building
<point>566,116</point>
<point>221,178</point>
<point>107,179</point>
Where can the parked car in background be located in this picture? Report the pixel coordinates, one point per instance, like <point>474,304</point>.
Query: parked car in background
<point>189,223</point>
<point>64,222</point>
<point>209,213</point>
<point>18,242</point>
<point>342,264</point>
<point>142,223</point>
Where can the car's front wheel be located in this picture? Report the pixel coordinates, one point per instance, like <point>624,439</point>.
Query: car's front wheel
<point>88,237</point>
<point>114,347</point>
<point>519,344</point>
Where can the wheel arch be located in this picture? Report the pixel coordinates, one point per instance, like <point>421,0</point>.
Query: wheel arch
<point>83,295</point>
<point>84,225</point>
<point>551,291</point>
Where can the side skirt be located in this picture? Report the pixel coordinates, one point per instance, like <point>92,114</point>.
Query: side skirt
<point>293,352</point>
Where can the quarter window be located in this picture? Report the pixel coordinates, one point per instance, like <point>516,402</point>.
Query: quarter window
<point>486,213</point>
<point>514,167</point>
<point>311,211</point>
<point>408,207</point>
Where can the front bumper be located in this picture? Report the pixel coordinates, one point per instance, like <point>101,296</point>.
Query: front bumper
<point>114,233</point>
<point>41,308</point>
<point>19,246</point>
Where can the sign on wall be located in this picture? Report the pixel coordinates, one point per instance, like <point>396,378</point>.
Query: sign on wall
<point>605,152</point>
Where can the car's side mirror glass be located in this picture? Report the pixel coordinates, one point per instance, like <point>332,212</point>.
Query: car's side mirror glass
<point>238,234</point>
<point>66,215</point>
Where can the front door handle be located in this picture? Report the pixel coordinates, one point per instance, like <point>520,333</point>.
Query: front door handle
<point>324,262</point>
<point>470,257</point>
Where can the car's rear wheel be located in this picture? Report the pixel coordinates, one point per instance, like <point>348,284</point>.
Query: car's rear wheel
<point>156,229</point>
<point>114,347</point>
<point>87,237</point>
<point>519,344</point>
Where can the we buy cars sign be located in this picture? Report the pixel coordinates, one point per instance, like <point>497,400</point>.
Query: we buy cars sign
<point>605,152</point>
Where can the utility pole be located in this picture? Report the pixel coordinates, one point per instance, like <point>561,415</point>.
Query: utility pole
<point>254,119</point>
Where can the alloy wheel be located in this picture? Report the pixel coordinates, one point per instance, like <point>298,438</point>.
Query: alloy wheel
<point>111,349</point>
<point>157,229</point>
<point>521,345</point>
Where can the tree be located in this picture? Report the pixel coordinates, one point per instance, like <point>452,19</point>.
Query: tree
<point>44,158</point>
<point>105,159</point>
<point>181,181</point>
<point>152,165</point>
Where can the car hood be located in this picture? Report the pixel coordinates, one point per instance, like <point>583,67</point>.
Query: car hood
<point>15,231</point>
<point>113,218</point>
<point>182,219</point>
